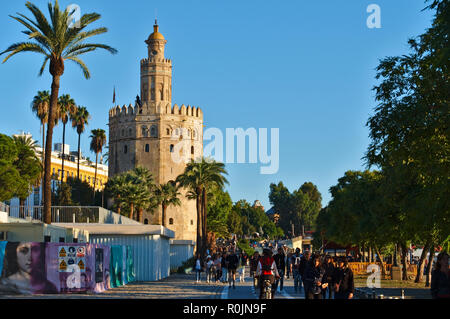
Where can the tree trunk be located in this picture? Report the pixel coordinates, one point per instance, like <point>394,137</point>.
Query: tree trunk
<point>141,214</point>
<point>63,152</point>
<point>204,216</point>
<point>79,156</point>
<point>423,255</point>
<point>21,207</point>
<point>118,205</point>
<point>163,214</point>
<point>199,223</point>
<point>430,266</point>
<point>383,265</point>
<point>363,253</point>
<point>404,251</point>
<point>48,150</point>
<point>95,174</point>
<point>131,210</point>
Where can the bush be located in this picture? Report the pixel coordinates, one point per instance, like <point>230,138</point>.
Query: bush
<point>190,263</point>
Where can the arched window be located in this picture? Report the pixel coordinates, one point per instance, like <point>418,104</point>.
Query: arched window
<point>168,131</point>
<point>171,148</point>
<point>144,131</point>
<point>192,150</point>
<point>147,148</point>
<point>170,221</point>
<point>154,131</point>
<point>129,132</point>
<point>146,221</point>
<point>192,222</point>
<point>177,132</point>
<point>125,149</point>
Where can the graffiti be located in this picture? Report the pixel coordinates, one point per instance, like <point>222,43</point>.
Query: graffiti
<point>51,268</point>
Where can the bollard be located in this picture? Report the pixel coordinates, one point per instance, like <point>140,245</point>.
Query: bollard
<point>73,217</point>
<point>381,297</point>
<point>403,293</point>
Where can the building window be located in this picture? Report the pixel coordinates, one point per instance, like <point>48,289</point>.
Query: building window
<point>170,221</point>
<point>192,150</point>
<point>192,222</point>
<point>47,239</point>
<point>62,240</point>
<point>144,131</point>
<point>125,149</point>
<point>168,131</point>
<point>147,148</point>
<point>153,131</point>
<point>146,221</point>
<point>171,148</point>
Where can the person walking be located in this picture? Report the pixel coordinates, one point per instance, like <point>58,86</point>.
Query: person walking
<point>253,265</point>
<point>304,263</point>
<point>329,277</point>
<point>198,268</point>
<point>314,279</point>
<point>296,270</point>
<point>288,265</point>
<point>224,268</point>
<point>280,261</point>
<point>440,278</point>
<point>344,285</point>
<point>209,269</point>
<point>217,266</point>
<point>232,264</point>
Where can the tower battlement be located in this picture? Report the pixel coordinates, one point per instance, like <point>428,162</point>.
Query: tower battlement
<point>160,108</point>
<point>146,61</point>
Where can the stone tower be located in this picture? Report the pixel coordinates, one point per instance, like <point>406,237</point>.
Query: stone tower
<point>158,136</point>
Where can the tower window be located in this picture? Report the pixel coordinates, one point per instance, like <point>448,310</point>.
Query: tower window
<point>147,148</point>
<point>146,221</point>
<point>125,149</point>
<point>153,131</point>
<point>171,221</point>
<point>168,131</point>
<point>192,150</point>
<point>171,148</point>
<point>192,222</point>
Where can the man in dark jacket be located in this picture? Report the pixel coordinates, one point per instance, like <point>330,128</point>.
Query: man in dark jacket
<point>344,285</point>
<point>295,269</point>
<point>280,261</point>
<point>440,278</point>
<point>253,265</point>
<point>329,268</point>
<point>304,262</point>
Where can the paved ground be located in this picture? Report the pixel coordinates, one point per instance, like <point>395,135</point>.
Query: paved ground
<point>177,286</point>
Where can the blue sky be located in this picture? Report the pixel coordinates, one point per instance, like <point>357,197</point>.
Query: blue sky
<point>305,67</point>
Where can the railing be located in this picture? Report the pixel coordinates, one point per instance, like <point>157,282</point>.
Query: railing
<point>59,214</point>
<point>360,268</point>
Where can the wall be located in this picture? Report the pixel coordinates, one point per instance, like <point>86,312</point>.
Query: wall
<point>151,253</point>
<point>180,251</point>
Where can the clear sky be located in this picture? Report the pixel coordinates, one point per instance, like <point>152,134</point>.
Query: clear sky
<point>305,67</point>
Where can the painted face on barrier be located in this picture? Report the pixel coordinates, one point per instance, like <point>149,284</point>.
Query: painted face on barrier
<point>24,257</point>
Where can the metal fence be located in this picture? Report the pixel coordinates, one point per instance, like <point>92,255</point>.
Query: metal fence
<point>60,214</point>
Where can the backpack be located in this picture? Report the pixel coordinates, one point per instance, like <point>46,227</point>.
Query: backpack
<point>266,265</point>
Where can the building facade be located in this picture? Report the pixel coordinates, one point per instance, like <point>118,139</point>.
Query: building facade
<point>158,135</point>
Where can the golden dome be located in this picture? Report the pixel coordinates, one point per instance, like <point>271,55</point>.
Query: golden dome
<point>156,35</point>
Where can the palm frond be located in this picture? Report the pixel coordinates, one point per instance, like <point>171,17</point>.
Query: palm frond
<point>23,47</point>
<point>81,64</point>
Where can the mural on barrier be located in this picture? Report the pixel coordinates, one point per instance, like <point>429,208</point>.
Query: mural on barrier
<point>51,268</point>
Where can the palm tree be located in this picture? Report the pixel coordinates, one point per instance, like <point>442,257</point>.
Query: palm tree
<point>98,140</point>
<point>28,165</point>
<point>115,186</point>
<point>66,108</point>
<point>80,119</point>
<point>145,177</point>
<point>57,41</point>
<point>167,194</point>
<point>40,106</point>
<point>198,177</point>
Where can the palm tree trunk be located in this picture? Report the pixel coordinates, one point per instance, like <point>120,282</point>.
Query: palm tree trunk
<point>95,176</point>
<point>419,276</point>
<point>79,156</point>
<point>141,214</point>
<point>204,214</point>
<point>63,154</point>
<point>131,211</point>
<point>48,150</point>
<point>163,215</point>
<point>199,223</point>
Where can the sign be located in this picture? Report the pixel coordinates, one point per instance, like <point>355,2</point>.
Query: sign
<point>70,256</point>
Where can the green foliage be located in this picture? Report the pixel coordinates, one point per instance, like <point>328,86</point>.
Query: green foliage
<point>300,208</point>
<point>63,195</point>
<point>244,245</point>
<point>9,175</point>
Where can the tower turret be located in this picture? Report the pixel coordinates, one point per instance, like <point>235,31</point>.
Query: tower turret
<point>156,72</point>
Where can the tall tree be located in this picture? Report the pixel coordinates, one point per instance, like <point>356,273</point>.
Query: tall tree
<point>167,195</point>
<point>67,107</point>
<point>28,165</point>
<point>40,106</point>
<point>80,119</point>
<point>198,177</point>
<point>98,140</point>
<point>57,41</point>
